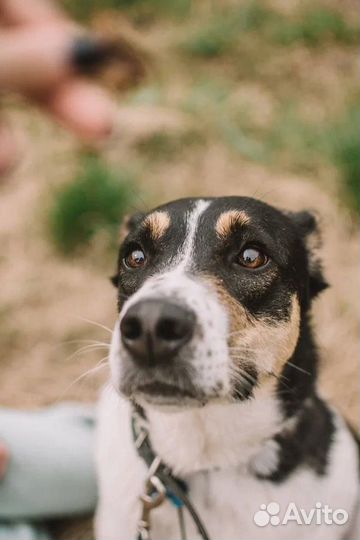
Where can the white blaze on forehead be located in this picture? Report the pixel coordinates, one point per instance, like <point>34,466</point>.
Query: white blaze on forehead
<point>209,353</point>
<point>193,218</point>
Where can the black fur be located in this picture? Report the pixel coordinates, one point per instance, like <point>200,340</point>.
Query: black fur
<point>298,377</point>
<point>266,293</point>
<point>307,444</point>
<point>282,236</point>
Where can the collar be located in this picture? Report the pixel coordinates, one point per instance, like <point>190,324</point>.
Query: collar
<point>160,483</point>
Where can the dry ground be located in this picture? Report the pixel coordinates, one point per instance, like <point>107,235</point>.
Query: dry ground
<point>44,297</point>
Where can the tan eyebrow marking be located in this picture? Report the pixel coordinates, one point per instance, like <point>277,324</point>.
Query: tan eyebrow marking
<point>158,223</point>
<point>227,220</point>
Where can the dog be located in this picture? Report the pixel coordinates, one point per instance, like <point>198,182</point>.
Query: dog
<point>213,356</point>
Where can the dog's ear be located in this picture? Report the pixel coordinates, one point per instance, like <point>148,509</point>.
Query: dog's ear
<point>114,280</point>
<point>307,225</point>
<point>128,223</point>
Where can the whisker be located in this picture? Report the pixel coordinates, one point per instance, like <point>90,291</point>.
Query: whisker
<point>242,348</point>
<point>240,373</point>
<point>298,368</point>
<point>73,341</point>
<point>95,324</point>
<point>86,348</point>
<point>99,366</point>
<point>281,379</point>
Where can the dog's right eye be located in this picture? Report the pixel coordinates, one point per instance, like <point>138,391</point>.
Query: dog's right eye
<point>252,258</point>
<point>136,258</point>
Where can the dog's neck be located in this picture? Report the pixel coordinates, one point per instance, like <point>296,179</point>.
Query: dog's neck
<point>218,435</point>
<point>223,435</point>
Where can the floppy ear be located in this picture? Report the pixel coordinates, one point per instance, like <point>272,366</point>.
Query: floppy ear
<point>128,223</point>
<point>308,227</point>
<point>114,280</point>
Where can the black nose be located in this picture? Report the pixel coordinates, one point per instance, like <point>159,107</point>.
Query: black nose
<point>153,331</point>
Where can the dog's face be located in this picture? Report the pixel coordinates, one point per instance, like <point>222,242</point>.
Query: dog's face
<point>211,296</point>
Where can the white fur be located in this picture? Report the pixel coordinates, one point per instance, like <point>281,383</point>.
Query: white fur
<point>184,261</point>
<point>174,282</point>
<point>213,449</point>
<point>196,296</point>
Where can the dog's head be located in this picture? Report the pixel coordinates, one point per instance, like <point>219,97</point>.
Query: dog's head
<point>211,295</point>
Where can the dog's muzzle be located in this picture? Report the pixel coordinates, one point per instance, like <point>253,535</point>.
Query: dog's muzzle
<point>154,331</point>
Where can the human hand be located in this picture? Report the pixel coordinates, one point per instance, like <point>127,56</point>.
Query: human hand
<point>4,458</point>
<point>38,45</point>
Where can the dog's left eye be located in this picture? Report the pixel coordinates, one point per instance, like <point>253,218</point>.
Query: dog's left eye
<point>136,258</point>
<point>252,257</point>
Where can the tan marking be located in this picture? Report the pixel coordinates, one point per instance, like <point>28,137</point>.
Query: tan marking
<point>238,316</point>
<point>158,223</point>
<point>269,345</point>
<point>257,341</point>
<point>227,221</point>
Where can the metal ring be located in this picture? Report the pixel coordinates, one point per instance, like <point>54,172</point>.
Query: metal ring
<point>156,493</point>
<point>154,467</point>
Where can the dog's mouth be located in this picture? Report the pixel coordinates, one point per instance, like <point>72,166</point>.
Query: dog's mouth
<point>161,389</point>
<point>166,394</point>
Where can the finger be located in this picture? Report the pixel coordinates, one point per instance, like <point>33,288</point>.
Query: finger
<point>17,12</point>
<point>8,150</point>
<point>4,458</point>
<point>84,108</point>
<point>32,60</point>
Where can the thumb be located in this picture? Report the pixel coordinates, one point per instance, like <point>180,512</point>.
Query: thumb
<point>8,154</point>
<point>36,58</point>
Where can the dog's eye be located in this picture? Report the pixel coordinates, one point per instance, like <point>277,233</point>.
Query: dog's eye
<point>136,258</point>
<point>252,257</point>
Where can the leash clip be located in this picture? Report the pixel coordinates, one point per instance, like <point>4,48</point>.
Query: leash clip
<point>160,483</point>
<point>153,497</point>
<point>141,427</point>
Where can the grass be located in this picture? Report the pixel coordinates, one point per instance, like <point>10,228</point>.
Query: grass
<point>223,32</point>
<point>220,34</point>
<point>226,43</point>
<point>95,200</point>
<point>146,95</point>
<point>82,10</point>
<point>293,142</point>
<point>313,27</point>
<point>302,146</point>
<point>343,144</point>
<point>168,147</point>
<point>141,10</point>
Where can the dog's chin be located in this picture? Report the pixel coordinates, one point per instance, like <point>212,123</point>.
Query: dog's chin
<point>166,396</point>
<point>158,394</point>
<point>167,403</point>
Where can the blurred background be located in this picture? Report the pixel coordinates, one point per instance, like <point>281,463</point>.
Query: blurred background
<point>244,97</point>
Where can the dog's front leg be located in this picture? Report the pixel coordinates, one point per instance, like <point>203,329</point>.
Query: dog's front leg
<point>121,473</point>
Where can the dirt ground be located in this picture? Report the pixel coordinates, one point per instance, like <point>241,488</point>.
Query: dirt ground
<point>45,299</point>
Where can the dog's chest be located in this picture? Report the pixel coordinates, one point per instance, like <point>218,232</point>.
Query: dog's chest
<point>229,496</point>
<point>228,503</point>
